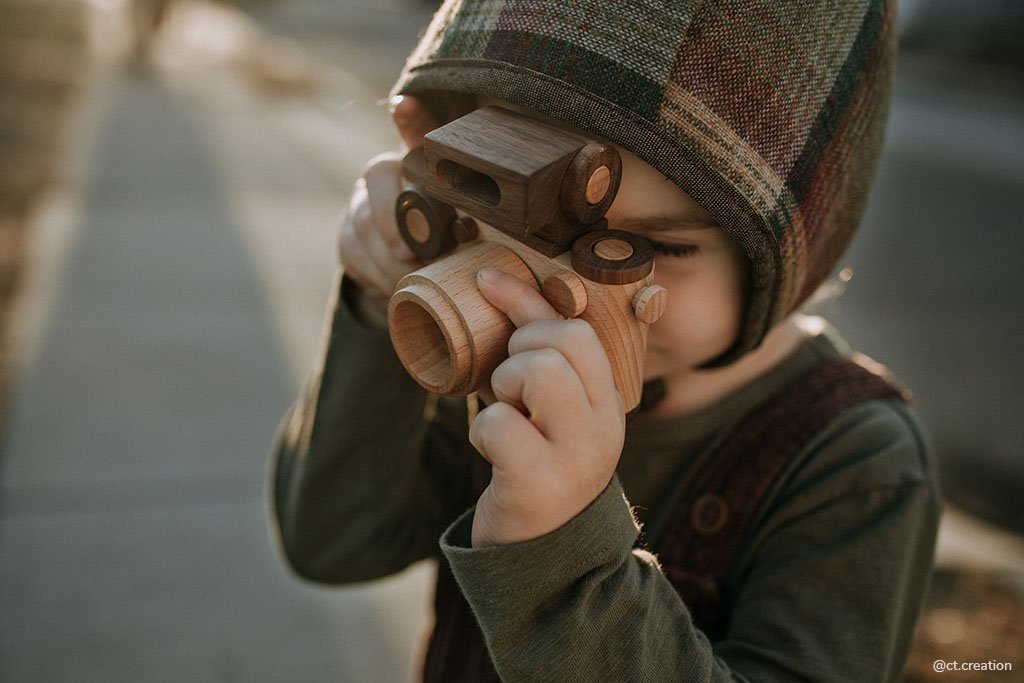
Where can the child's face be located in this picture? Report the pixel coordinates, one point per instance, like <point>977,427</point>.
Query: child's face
<point>704,271</point>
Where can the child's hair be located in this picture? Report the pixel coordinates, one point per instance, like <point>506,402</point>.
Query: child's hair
<point>770,114</point>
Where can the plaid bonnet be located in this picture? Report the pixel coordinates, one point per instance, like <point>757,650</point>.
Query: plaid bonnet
<point>769,113</point>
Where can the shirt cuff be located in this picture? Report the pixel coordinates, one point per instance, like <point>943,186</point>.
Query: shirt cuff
<point>603,533</point>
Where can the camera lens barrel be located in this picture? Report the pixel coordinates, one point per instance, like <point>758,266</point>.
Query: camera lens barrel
<point>448,337</point>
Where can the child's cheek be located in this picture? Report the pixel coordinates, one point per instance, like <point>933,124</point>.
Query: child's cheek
<point>703,316</point>
<point>667,337</point>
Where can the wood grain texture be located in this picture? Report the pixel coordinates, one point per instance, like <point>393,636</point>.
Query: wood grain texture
<point>425,224</point>
<point>522,176</point>
<point>446,334</point>
<point>649,303</point>
<point>566,293</point>
<point>609,311</point>
<point>450,338</point>
<point>612,257</point>
<point>535,191</point>
<point>590,183</point>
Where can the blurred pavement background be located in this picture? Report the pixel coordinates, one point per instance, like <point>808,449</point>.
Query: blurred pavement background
<point>173,267</point>
<point>178,270</point>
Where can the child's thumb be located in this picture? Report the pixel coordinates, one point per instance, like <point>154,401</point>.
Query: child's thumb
<point>412,119</point>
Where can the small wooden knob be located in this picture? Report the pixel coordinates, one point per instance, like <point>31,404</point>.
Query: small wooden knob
<point>566,293</point>
<point>612,257</point>
<point>613,249</point>
<point>425,224</point>
<point>590,183</point>
<point>465,229</point>
<point>649,303</point>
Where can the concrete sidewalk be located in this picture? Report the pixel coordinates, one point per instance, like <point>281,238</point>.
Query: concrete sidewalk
<point>175,304</point>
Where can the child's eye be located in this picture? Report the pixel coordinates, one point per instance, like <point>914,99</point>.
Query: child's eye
<point>667,249</point>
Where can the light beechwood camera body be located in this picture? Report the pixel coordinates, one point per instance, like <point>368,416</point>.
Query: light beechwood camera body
<point>495,188</point>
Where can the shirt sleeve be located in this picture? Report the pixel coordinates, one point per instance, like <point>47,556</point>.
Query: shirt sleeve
<point>362,483</point>
<point>828,587</point>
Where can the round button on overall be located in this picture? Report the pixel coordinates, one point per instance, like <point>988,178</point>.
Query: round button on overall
<point>710,514</point>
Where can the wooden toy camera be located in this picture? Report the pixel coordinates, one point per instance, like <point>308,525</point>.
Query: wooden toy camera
<point>534,198</point>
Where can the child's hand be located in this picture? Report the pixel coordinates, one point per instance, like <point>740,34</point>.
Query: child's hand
<point>372,251</point>
<point>555,432</point>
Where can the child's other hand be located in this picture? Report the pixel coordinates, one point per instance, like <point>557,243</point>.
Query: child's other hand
<point>372,251</point>
<point>555,432</point>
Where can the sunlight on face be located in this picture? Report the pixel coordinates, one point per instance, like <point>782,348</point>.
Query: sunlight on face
<point>704,271</point>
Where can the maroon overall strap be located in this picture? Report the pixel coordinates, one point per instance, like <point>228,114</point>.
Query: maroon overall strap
<point>721,498</point>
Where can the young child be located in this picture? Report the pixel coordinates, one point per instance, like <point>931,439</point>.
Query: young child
<point>787,503</point>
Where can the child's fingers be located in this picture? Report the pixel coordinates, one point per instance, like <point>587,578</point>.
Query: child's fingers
<point>576,341</point>
<point>544,384</point>
<point>484,393</point>
<point>513,297</point>
<point>383,181</point>
<point>500,432</point>
<point>412,119</point>
<point>361,226</point>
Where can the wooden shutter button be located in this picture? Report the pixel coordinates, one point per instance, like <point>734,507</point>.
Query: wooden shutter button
<point>649,303</point>
<point>566,293</point>
<point>612,257</point>
<point>613,249</point>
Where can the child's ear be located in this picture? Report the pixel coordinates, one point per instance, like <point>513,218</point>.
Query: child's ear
<point>413,120</point>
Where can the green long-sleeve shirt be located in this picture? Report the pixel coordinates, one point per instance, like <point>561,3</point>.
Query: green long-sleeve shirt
<point>827,585</point>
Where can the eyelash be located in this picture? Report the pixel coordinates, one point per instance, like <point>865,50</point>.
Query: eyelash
<point>673,250</point>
